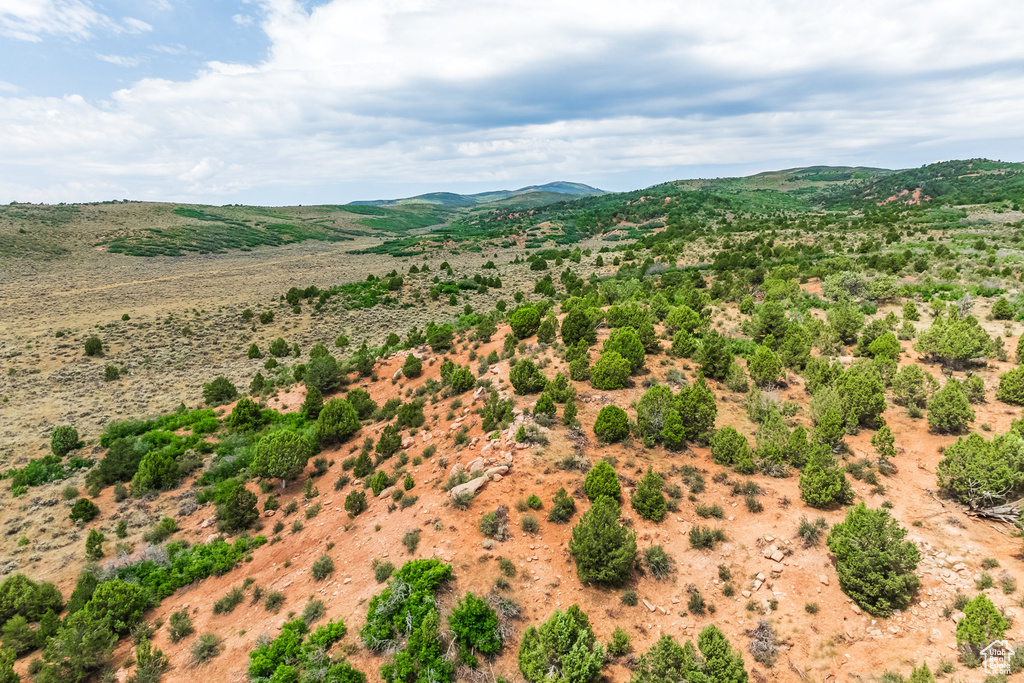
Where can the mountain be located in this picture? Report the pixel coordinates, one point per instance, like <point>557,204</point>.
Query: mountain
<point>532,194</point>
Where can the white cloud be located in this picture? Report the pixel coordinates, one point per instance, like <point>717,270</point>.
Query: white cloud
<point>132,25</point>
<point>119,60</point>
<point>450,91</point>
<point>32,19</point>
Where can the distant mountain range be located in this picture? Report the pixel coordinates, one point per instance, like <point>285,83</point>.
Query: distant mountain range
<point>533,194</point>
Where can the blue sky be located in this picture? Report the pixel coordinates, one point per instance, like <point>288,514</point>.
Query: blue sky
<point>282,101</point>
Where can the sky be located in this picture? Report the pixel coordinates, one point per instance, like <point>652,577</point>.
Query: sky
<point>277,102</point>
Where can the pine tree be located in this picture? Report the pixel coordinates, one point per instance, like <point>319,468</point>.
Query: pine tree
<point>648,500</point>
<point>674,432</point>
<point>94,545</point>
<point>569,413</point>
<point>363,465</point>
<point>884,443</point>
<point>313,404</point>
<point>722,663</point>
<point>603,548</point>
<point>982,622</point>
<point>823,482</point>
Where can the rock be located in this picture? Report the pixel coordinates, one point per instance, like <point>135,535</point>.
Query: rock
<point>957,616</point>
<point>500,469</point>
<point>856,610</point>
<point>648,605</point>
<point>269,513</point>
<point>471,487</point>
<point>386,492</point>
<point>824,579</point>
<point>777,556</point>
<point>476,465</point>
<point>408,441</point>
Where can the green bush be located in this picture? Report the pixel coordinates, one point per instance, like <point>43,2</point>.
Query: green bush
<point>360,400</point>
<point>625,342</point>
<point>322,568</point>
<point>822,482</point>
<point>413,367</point>
<point>715,356</point>
<point>612,424</point>
<point>982,623</point>
<point>526,378</point>
<point>80,647</point>
<point>603,548</point>
<point>84,510</point>
<point>461,380</point>
<point>658,562</point>
<point>279,348</point>
<point>238,510</point>
<point>912,386</point>
<point>876,566</point>
<point>647,499</point>
<point>602,480</point>
<point>563,509</point>
<point>765,367</point>
<point>402,606</point>
<point>524,321</point>
<point>547,330</point>
<point>121,602</point>
<point>846,321</point>
<point>982,473</point>
<point>281,455</point>
<point>1002,309</point>
<point>954,340</point>
<point>245,415</point>
<point>338,420</point>
<point>312,404</point>
<point>703,537</point>
<point>576,326</point>
<point>1011,386</point>
<point>355,502</point>
<point>863,395</point>
<point>545,405</point>
<point>411,415</point>
<point>323,373</point>
<point>949,410</point>
<point>564,643</point>
<point>20,595</point>
<point>180,626</point>
<point>389,443</point>
<point>619,644</point>
<point>610,372</point>
<point>229,602</point>
<point>93,346</point>
<point>652,411</point>
<point>974,389</point>
<point>474,627</point>
<point>729,447</point>
<point>63,440</point>
<point>219,391</point>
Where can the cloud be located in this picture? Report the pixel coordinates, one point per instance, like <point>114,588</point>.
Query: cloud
<point>32,20</point>
<point>357,94</point>
<point>118,60</point>
<point>135,25</point>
